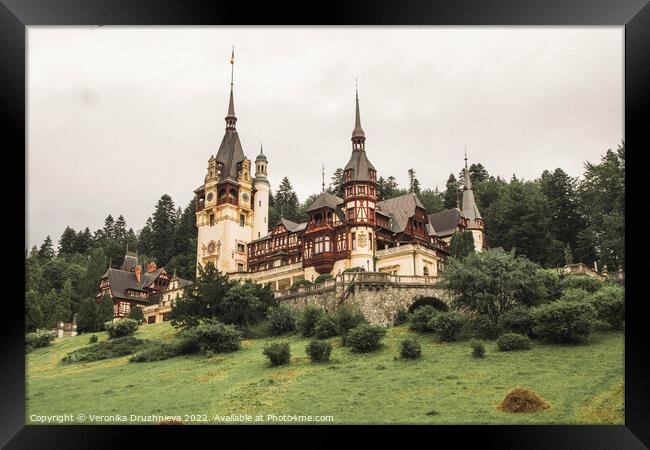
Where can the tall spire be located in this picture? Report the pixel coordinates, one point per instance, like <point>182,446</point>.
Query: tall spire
<point>231,119</point>
<point>468,181</point>
<point>358,136</point>
<point>323,174</point>
<point>470,210</point>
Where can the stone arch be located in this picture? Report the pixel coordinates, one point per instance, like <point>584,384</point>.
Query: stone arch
<point>428,300</point>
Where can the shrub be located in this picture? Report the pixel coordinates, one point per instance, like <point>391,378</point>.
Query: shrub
<point>282,319</point>
<point>563,321</point>
<point>366,338</point>
<point>297,284</point>
<point>92,339</point>
<point>513,341</point>
<point>401,317</point>
<point>347,318</point>
<point>158,351</point>
<point>478,349</point>
<point>112,348</point>
<point>518,320</point>
<point>278,354</point>
<point>319,351</point>
<point>121,328</point>
<point>136,314</point>
<point>609,303</point>
<point>574,295</point>
<point>484,327</point>
<point>325,327</point>
<point>256,331</point>
<point>410,349</point>
<point>421,318</point>
<point>589,284</point>
<point>355,269</point>
<point>308,319</point>
<point>447,325</point>
<point>39,338</point>
<point>323,277</point>
<point>213,336</point>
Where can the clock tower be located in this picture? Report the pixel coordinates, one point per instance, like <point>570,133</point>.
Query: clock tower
<point>224,208</point>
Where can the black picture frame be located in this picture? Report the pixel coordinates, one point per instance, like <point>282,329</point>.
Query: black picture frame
<point>15,15</point>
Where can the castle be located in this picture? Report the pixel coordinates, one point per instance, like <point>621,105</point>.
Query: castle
<point>394,236</point>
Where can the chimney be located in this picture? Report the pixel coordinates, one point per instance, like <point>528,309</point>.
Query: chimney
<point>151,267</point>
<point>138,272</point>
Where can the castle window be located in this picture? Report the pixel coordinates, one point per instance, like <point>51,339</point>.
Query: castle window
<point>260,202</point>
<point>354,241</point>
<point>240,248</point>
<point>242,219</point>
<point>350,213</point>
<point>211,220</point>
<point>240,267</point>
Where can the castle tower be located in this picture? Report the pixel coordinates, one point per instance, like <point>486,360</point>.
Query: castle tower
<point>360,197</point>
<point>261,192</point>
<point>470,210</point>
<point>224,212</point>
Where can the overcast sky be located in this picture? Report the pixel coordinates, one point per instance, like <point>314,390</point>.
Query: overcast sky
<point>118,116</point>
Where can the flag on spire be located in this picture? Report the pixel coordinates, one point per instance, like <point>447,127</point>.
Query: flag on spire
<point>232,57</point>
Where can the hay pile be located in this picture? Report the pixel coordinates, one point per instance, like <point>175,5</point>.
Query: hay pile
<point>522,400</point>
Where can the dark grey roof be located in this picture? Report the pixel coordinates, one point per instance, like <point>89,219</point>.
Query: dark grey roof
<point>360,164</point>
<point>470,210</point>
<point>325,200</point>
<point>358,131</point>
<point>401,209</point>
<point>120,281</point>
<point>229,155</point>
<point>445,222</point>
<point>130,261</point>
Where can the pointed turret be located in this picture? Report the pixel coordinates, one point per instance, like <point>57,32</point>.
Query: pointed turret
<point>357,133</point>
<point>359,168</point>
<point>470,210</point>
<point>231,119</point>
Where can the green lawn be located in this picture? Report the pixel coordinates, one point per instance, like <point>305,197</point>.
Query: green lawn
<point>582,383</point>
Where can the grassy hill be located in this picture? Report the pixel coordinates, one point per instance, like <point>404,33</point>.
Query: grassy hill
<point>582,383</point>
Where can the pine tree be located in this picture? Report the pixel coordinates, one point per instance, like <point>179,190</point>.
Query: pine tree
<point>33,271</point>
<point>47,306</point>
<point>109,227</point>
<point>87,319</point>
<point>83,241</point>
<point>63,310</point>
<point>33,314</point>
<point>46,252</point>
<point>286,200</point>
<point>136,314</point>
<point>105,312</point>
<point>462,244</point>
<point>163,227</point>
<point>452,192</point>
<point>414,183</point>
<point>67,242</point>
<point>119,229</point>
<point>336,183</point>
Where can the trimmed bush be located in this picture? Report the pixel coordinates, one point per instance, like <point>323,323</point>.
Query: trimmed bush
<point>112,348</point>
<point>319,351</point>
<point>421,317</point>
<point>282,319</point>
<point>38,339</point>
<point>478,349</point>
<point>213,336</point>
<point>308,319</point>
<point>347,318</point>
<point>513,341</point>
<point>355,269</point>
<point>323,277</point>
<point>401,317</point>
<point>92,339</point>
<point>563,321</point>
<point>484,327</point>
<point>278,354</point>
<point>325,327</point>
<point>609,303</point>
<point>120,328</point>
<point>518,320</point>
<point>447,325</point>
<point>410,349</point>
<point>365,338</point>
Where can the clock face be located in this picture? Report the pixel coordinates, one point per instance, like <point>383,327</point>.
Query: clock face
<point>245,197</point>
<point>210,196</point>
<point>212,247</point>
